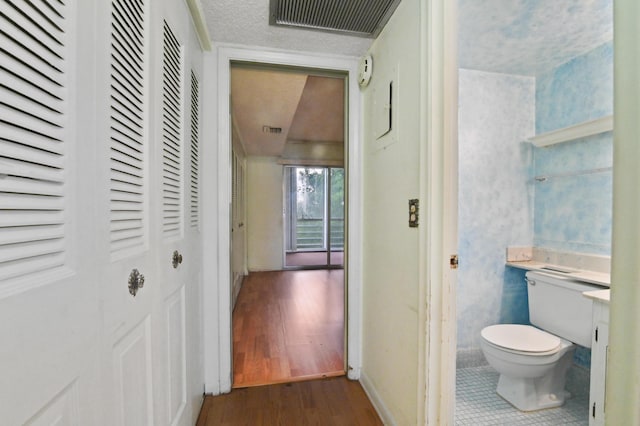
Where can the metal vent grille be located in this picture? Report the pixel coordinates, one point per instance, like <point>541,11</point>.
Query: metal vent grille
<point>356,17</point>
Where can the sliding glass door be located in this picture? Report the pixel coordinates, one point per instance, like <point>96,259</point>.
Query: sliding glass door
<point>314,217</point>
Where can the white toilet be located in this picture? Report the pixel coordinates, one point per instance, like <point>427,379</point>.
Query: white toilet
<point>533,363</point>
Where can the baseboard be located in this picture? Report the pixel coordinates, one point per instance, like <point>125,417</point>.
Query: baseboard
<point>378,404</point>
<point>237,285</point>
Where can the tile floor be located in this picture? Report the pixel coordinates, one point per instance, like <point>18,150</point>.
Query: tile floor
<point>477,402</point>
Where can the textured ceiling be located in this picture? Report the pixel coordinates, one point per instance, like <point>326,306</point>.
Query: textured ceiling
<point>525,37</point>
<point>246,22</point>
<point>308,109</point>
<point>529,37</point>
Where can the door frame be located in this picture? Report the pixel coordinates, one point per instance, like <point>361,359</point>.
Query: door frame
<point>439,187</point>
<point>216,205</point>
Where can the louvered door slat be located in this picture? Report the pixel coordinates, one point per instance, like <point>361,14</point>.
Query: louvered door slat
<point>17,219</point>
<point>32,234</point>
<point>50,22</point>
<point>124,107</point>
<point>12,252</point>
<point>126,225</point>
<point>15,117</point>
<point>172,118</point>
<point>32,135</point>
<point>132,216</point>
<point>17,91</point>
<point>19,160</point>
<point>132,20</point>
<point>32,264</point>
<point>127,135</point>
<point>29,43</point>
<point>19,201</point>
<point>20,185</point>
<point>195,129</point>
<point>52,6</point>
<point>22,108</point>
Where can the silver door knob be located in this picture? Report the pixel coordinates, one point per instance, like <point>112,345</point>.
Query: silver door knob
<point>176,259</point>
<point>136,282</point>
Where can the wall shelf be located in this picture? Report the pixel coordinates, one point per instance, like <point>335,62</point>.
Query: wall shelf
<point>588,128</point>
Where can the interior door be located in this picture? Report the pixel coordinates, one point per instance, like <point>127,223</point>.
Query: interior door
<point>150,259</point>
<point>95,321</point>
<point>129,286</point>
<point>178,258</point>
<point>48,316</point>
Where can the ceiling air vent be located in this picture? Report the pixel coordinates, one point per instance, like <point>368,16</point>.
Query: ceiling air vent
<point>269,129</point>
<point>356,17</point>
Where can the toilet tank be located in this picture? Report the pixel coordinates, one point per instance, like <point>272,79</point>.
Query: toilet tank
<point>556,305</point>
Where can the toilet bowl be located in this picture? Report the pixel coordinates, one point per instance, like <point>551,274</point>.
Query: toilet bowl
<point>532,365</point>
<point>533,360</point>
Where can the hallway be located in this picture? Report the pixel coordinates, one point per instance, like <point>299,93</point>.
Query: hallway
<point>288,326</point>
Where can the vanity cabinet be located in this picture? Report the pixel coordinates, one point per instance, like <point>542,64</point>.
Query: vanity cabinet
<point>599,353</point>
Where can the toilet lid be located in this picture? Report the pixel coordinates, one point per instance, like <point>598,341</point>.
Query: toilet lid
<point>524,338</point>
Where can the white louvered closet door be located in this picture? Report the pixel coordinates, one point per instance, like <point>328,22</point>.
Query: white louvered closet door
<point>99,185</point>
<point>152,172</point>
<point>178,258</point>
<point>49,327</point>
<point>129,288</point>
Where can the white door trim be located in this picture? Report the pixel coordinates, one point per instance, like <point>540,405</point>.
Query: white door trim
<point>438,178</point>
<point>216,184</point>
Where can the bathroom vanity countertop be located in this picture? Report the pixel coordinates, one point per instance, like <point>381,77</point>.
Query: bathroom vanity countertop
<point>592,277</point>
<point>598,295</point>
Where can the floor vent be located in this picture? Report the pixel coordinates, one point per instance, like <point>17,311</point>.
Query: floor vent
<point>356,17</point>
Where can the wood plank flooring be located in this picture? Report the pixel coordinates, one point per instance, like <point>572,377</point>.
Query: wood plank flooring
<point>288,326</point>
<point>333,401</point>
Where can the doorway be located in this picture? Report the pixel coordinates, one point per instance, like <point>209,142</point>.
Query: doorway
<point>217,240</point>
<point>282,119</point>
<point>314,217</point>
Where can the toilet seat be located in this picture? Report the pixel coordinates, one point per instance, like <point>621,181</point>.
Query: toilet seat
<point>521,339</point>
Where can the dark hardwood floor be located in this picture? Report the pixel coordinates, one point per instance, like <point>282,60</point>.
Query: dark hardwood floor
<point>333,401</point>
<point>288,326</point>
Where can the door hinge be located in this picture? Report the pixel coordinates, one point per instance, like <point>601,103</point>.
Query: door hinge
<point>453,261</point>
<point>593,410</point>
<point>596,334</point>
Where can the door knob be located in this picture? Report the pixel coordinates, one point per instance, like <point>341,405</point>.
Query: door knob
<point>176,259</point>
<point>136,282</point>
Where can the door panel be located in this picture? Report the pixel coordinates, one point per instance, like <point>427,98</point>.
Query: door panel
<point>63,409</point>
<point>176,349</point>
<point>133,384</point>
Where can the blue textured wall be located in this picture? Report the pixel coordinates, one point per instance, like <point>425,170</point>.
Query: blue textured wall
<point>496,114</point>
<point>499,202</point>
<point>572,210</point>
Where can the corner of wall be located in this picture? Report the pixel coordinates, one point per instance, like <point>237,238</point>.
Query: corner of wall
<point>376,400</point>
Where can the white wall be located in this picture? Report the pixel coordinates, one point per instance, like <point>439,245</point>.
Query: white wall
<point>264,214</point>
<point>623,372</point>
<point>496,114</point>
<point>390,261</point>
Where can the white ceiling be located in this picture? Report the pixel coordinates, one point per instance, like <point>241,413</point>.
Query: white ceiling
<point>524,37</point>
<point>246,22</point>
